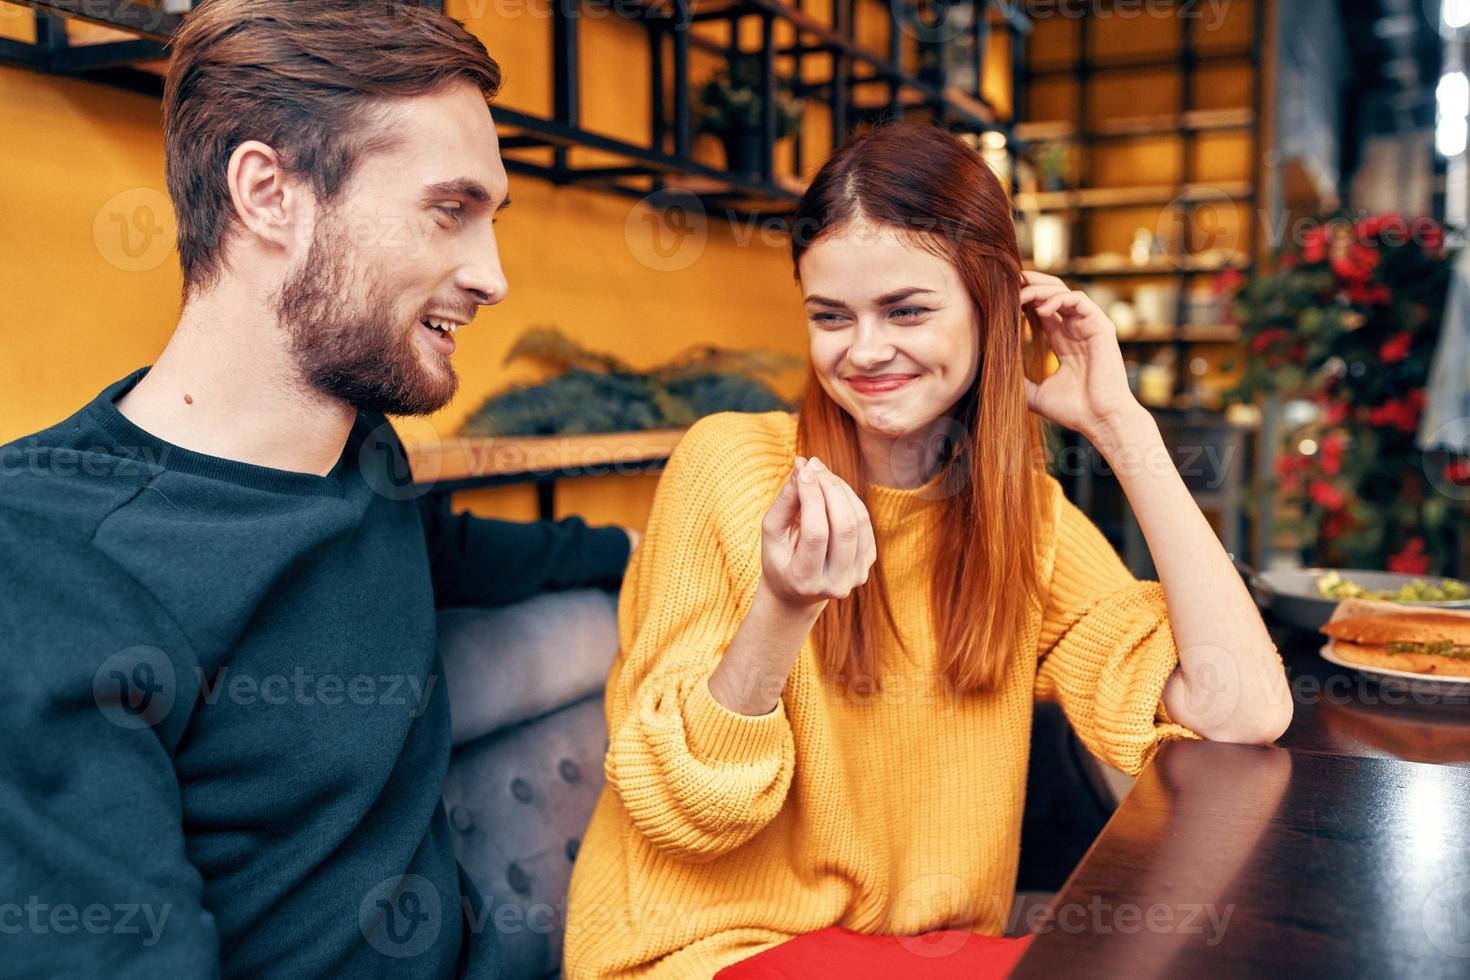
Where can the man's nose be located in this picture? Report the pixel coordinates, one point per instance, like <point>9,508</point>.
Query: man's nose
<point>482,277</point>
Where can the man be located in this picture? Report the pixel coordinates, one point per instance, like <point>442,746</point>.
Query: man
<point>226,737</point>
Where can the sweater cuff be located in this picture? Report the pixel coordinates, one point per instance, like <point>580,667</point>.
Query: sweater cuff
<point>715,733</point>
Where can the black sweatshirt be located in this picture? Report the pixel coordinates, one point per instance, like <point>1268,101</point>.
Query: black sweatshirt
<point>226,733</point>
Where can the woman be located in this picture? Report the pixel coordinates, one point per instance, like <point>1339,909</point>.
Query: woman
<point>835,628</point>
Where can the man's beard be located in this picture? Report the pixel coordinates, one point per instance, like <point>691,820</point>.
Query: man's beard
<point>361,354</point>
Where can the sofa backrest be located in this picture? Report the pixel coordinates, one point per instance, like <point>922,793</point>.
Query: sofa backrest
<point>525,686</point>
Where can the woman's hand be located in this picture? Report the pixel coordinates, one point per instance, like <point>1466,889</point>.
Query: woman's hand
<point>1089,391</point>
<point>816,539</point>
<point>816,545</point>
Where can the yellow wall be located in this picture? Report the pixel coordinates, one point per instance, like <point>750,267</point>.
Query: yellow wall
<point>82,313</point>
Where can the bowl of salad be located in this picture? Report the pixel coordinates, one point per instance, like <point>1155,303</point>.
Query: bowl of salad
<point>1305,597</point>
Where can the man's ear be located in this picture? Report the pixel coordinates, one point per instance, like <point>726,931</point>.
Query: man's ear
<point>268,203</point>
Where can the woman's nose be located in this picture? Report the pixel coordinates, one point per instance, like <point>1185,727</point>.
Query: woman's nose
<point>870,348</point>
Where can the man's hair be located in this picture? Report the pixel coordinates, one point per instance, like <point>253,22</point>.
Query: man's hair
<point>303,77</point>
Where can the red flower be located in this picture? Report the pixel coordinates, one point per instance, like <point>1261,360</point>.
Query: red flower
<point>1355,263</point>
<point>1401,414</point>
<point>1267,337</point>
<point>1314,245</point>
<point>1431,235</point>
<point>1364,293</point>
<point>1458,472</point>
<point>1411,558</point>
<point>1227,282</point>
<point>1396,348</point>
<point>1325,495</point>
<point>1332,447</point>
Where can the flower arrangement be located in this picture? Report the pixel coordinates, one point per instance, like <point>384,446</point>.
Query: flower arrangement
<point>1346,317</point>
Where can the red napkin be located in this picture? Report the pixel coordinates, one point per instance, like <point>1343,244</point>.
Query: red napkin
<point>837,952</point>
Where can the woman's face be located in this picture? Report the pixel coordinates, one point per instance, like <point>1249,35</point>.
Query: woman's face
<point>894,333</point>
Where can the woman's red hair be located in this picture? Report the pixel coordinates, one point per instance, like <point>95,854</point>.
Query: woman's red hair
<point>926,182</point>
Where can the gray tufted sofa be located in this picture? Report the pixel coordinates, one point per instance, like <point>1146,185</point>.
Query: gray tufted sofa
<point>525,685</point>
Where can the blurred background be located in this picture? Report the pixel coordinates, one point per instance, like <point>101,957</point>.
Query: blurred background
<point>1267,197</point>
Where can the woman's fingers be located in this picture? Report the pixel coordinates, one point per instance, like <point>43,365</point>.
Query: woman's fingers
<point>1074,301</point>
<point>844,536</point>
<point>784,510</point>
<point>811,546</point>
<point>1039,285</point>
<point>871,553</point>
<point>867,545</point>
<point>1033,278</point>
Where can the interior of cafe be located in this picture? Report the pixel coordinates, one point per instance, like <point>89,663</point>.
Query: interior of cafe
<point>1263,201</point>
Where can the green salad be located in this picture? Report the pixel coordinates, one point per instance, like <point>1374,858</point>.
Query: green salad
<point>1333,586</point>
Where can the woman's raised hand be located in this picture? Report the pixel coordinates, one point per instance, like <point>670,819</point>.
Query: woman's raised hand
<point>816,539</point>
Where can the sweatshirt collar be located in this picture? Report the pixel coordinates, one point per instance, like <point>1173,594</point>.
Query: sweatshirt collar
<point>134,442</point>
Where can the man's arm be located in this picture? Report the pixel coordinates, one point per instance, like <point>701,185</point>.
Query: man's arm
<point>95,878</point>
<point>476,561</point>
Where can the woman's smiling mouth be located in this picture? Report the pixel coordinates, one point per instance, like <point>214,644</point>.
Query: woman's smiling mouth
<point>878,384</point>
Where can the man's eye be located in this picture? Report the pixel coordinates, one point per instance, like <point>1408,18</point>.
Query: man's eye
<point>452,210</point>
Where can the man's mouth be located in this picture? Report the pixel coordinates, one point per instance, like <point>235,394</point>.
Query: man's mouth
<point>441,333</point>
<point>878,384</point>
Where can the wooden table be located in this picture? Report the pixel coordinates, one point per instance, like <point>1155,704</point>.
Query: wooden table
<point>1340,712</point>
<point>1342,852</point>
<point>1240,861</point>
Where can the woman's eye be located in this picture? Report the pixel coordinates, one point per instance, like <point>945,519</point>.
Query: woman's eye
<point>828,319</point>
<point>907,312</point>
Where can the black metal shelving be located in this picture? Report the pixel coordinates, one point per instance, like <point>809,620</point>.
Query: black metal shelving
<point>546,146</point>
<point>1185,196</point>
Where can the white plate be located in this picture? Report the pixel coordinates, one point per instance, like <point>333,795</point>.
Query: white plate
<point>1400,680</point>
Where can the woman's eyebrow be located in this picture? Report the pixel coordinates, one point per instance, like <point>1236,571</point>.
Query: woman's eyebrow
<point>887,299</point>
<point>898,295</point>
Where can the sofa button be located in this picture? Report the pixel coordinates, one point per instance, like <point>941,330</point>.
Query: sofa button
<point>521,790</point>
<point>460,819</point>
<point>572,846</point>
<point>518,879</point>
<point>569,770</point>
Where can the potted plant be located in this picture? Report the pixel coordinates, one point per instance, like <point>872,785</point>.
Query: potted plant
<point>1053,162</point>
<point>591,392</point>
<point>729,107</point>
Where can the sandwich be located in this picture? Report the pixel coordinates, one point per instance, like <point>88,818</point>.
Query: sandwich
<point>1418,642</point>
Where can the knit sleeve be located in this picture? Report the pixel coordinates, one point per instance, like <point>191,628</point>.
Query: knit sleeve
<point>696,778</point>
<point>1106,647</point>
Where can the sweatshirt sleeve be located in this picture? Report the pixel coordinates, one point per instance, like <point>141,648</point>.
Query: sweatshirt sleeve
<point>478,561</point>
<point>696,778</point>
<point>93,859</point>
<point>1106,647</point>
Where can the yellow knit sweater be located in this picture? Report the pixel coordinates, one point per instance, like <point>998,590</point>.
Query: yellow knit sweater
<point>719,835</point>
